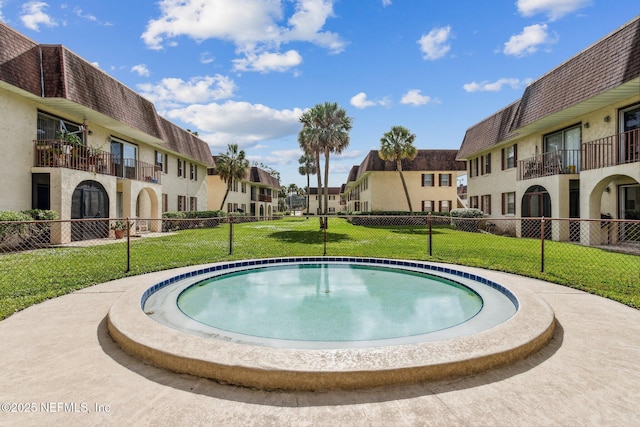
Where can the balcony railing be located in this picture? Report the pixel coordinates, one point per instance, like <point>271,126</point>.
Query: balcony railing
<point>611,151</point>
<point>547,164</point>
<point>261,198</point>
<point>57,153</point>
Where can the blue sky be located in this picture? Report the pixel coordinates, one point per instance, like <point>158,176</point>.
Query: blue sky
<point>242,71</point>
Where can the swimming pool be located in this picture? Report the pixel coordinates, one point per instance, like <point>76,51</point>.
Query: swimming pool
<point>148,322</point>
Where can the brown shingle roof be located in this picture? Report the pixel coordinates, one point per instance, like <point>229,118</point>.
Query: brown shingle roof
<point>52,71</point>
<point>425,160</point>
<point>261,176</point>
<point>488,132</point>
<point>332,190</point>
<point>608,63</point>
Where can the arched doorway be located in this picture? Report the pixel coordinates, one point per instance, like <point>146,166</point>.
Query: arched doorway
<point>536,203</point>
<point>89,200</point>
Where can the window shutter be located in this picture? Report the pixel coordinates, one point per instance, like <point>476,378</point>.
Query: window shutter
<point>504,203</point>
<point>503,154</point>
<point>515,154</point>
<point>423,186</point>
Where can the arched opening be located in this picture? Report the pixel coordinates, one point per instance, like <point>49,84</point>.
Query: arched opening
<point>89,200</point>
<point>536,203</point>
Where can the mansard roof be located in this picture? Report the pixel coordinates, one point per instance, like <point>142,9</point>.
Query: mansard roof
<point>425,160</point>
<point>577,86</point>
<point>53,75</point>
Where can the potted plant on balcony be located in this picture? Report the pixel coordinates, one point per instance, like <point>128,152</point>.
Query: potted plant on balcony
<point>119,227</point>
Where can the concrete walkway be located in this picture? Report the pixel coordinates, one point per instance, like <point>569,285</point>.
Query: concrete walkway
<point>58,366</point>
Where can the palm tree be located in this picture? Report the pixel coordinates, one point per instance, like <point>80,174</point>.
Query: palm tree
<point>396,145</point>
<point>307,167</point>
<point>325,130</point>
<point>231,166</point>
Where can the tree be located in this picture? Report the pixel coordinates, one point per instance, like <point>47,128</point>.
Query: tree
<point>231,166</point>
<point>307,167</point>
<point>396,145</point>
<point>292,189</point>
<point>325,130</point>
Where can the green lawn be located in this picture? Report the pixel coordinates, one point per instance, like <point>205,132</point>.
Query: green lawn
<point>31,277</point>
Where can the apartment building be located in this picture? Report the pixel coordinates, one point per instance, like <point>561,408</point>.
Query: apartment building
<point>431,179</point>
<point>256,195</point>
<point>568,148</point>
<point>78,142</point>
<point>334,205</point>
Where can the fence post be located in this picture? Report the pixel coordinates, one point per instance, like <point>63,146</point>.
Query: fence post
<point>230,234</point>
<point>324,235</point>
<point>542,245</point>
<point>429,220</point>
<point>128,246</point>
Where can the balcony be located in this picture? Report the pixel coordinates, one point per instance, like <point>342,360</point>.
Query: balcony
<point>547,164</point>
<point>611,151</point>
<point>260,198</point>
<point>56,153</point>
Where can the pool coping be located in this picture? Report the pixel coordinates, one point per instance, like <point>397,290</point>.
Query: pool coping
<point>325,369</point>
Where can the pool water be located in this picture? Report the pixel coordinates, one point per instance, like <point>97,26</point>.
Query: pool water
<point>329,302</point>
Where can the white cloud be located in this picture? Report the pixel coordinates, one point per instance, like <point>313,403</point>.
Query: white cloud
<point>486,86</point>
<point>174,92</point>
<point>239,122</point>
<point>206,58</point>
<point>434,45</point>
<point>386,3</point>
<point>141,70</point>
<point>414,97</point>
<point>528,41</point>
<point>281,157</point>
<point>360,101</point>
<point>33,16</point>
<point>266,62</point>
<point>554,9</point>
<point>256,27</point>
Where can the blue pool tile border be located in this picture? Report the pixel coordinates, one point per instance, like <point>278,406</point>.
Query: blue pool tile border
<point>381,261</point>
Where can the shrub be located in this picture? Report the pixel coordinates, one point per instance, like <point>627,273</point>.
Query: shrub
<point>42,214</point>
<point>466,213</point>
<point>14,216</point>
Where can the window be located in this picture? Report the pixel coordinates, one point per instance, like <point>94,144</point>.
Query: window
<point>473,167</point>
<point>445,180</point>
<point>194,172</point>
<point>486,164</point>
<point>193,203</point>
<point>509,157</point>
<point>123,157</point>
<point>234,185</point>
<point>229,207</point>
<point>444,205</point>
<point>427,206</point>
<point>180,168</point>
<point>509,203</point>
<point>243,187</point>
<point>486,204</point>
<point>332,197</point>
<point>161,161</point>
<point>182,203</point>
<point>50,127</point>
<point>427,180</point>
<point>473,202</point>
<point>564,149</point>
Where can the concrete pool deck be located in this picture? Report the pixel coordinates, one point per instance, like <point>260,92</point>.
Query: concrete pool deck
<point>59,366</point>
